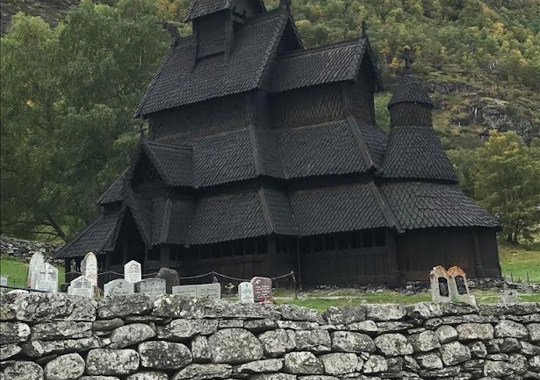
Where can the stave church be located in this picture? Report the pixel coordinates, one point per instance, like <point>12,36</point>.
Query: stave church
<point>264,157</point>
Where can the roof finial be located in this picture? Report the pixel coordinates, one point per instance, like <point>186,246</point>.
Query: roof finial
<point>141,132</point>
<point>408,57</point>
<point>285,3</point>
<point>173,31</point>
<point>364,29</point>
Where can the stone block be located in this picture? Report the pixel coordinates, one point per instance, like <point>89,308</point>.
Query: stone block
<point>23,370</point>
<point>393,345</point>
<point>317,341</point>
<point>129,335</point>
<point>302,363</point>
<point>454,353</point>
<point>14,332</point>
<point>474,331</point>
<point>164,355</point>
<point>277,342</point>
<point>346,341</point>
<point>234,346</point>
<point>65,367</point>
<point>339,363</point>
<point>203,372</point>
<point>112,362</point>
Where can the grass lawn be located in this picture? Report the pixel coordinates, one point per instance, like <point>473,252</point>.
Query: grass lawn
<point>517,261</point>
<point>520,263</point>
<point>17,270</point>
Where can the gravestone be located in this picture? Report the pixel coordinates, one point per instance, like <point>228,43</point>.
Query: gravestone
<point>89,268</point>
<point>439,280</point>
<point>81,286</point>
<point>3,280</point>
<point>132,272</point>
<point>459,289</point>
<point>211,291</point>
<point>509,296</point>
<point>152,287</point>
<point>119,287</point>
<point>188,291</point>
<point>35,261</point>
<point>262,289</point>
<point>171,278</point>
<point>245,292</point>
<point>46,278</point>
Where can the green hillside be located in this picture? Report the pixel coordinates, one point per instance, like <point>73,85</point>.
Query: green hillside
<point>70,85</point>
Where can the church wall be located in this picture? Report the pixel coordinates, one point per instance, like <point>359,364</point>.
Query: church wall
<point>359,98</point>
<point>419,251</point>
<point>201,119</point>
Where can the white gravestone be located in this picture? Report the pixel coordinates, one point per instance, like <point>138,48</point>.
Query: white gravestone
<point>245,292</point>
<point>3,280</point>
<point>46,278</point>
<point>132,272</point>
<point>118,287</point>
<point>459,289</point>
<point>89,268</point>
<point>36,261</point>
<point>81,286</point>
<point>440,285</point>
<point>188,291</point>
<point>262,289</point>
<point>211,291</point>
<point>152,287</point>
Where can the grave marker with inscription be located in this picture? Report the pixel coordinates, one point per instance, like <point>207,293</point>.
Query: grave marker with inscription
<point>132,272</point>
<point>46,278</point>
<point>119,287</point>
<point>262,289</point>
<point>81,286</point>
<point>245,292</point>
<point>36,261</point>
<point>188,291</point>
<point>440,291</point>
<point>89,268</point>
<point>211,291</point>
<point>3,280</point>
<point>459,289</point>
<point>152,287</point>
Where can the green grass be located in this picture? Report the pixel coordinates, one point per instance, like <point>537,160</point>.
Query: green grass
<point>17,271</point>
<point>520,263</point>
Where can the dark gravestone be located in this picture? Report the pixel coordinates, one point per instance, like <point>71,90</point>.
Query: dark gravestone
<point>171,278</point>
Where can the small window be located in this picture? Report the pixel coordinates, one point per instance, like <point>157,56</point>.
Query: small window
<point>367,239</point>
<point>343,241</point>
<point>262,245</point>
<point>329,242</point>
<point>318,243</point>
<point>356,242</point>
<point>380,238</point>
<point>216,252</point>
<point>305,247</point>
<point>227,249</point>
<point>250,247</point>
<point>154,254</point>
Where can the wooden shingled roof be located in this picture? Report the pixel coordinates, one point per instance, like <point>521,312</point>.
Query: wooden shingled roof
<point>402,181</point>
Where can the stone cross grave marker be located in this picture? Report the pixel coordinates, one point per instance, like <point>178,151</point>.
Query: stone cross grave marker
<point>459,289</point>
<point>188,291</point>
<point>119,287</point>
<point>211,291</point>
<point>35,261</point>
<point>440,291</point>
<point>132,272</point>
<point>171,278</point>
<point>152,287</point>
<point>262,289</point>
<point>89,268</point>
<point>245,292</point>
<point>81,286</point>
<point>46,278</point>
<point>3,280</point>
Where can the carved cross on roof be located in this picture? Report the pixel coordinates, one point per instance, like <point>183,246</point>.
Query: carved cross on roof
<point>141,132</point>
<point>364,29</point>
<point>408,57</point>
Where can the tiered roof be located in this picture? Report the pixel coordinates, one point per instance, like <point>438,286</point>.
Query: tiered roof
<point>260,180</point>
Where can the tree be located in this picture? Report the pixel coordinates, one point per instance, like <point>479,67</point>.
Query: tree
<point>67,100</point>
<point>507,183</point>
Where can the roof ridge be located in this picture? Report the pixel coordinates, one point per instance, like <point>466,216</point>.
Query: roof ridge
<point>366,154</point>
<point>266,210</point>
<point>336,45</point>
<point>172,146</point>
<point>384,206</point>
<point>272,47</point>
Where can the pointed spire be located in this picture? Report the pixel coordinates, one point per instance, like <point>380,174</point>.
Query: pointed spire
<point>364,29</point>
<point>408,57</point>
<point>285,4</point>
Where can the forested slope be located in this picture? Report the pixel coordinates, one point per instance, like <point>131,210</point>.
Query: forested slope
<point>68,91</point>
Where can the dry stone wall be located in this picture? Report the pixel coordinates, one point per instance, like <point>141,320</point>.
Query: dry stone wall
<point>61,337</point>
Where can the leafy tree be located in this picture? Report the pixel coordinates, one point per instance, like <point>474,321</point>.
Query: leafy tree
<point>67,100</point>
<point>507,183</point>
